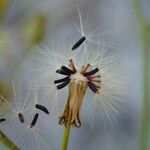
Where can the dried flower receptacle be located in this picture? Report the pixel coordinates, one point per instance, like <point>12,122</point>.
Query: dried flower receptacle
<point>71,112</point>
<point>77,81</point>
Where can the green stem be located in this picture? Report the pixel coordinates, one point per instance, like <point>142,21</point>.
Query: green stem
<point>65,138</point>
<point>144,37</point>
<point>7,142</point>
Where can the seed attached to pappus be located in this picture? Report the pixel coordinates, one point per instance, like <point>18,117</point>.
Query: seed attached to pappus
<point>62,85</point>
<point>93,80</point>
<point>64,71</point>
<point>92,72</point>
<point>21,117</point>
<point>79,43</point>
<point>42,108</point>
<point>2,120</point>
<point>61,80</point>
<point>92,86</point>
<point>34,120</point>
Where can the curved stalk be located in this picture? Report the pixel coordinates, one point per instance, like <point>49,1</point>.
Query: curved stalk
<point>7,142</point>
<point>143,28</point>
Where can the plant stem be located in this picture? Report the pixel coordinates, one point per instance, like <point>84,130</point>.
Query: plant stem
<point>65,138</point>
<point>144,37</point>
<point>7,142</point>
<point>66,133</point>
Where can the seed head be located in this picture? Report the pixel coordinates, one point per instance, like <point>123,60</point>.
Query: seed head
<point>79,65</point>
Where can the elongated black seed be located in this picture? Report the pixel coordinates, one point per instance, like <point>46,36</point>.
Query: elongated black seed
<point>21,118</point>
<point>62,85</point>
<point>2,120</point>
<point>91,72</point>
<point>61,80</point>
<point>63,72</point>
<point>79,43</point>
<point>41,107</point>
<point>65,69</point>
<point>92,87</point>
<point>34,120</point>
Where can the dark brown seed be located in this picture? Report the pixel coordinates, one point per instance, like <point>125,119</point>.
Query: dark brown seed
<point>21,118</point>
<point>41,107</point>
<point>65,69</point>
<point>92,87</point>
<point>61,80</point>
<point>63,72</point>
<point>62,85</point>
<point>2,120</point>
<point>34,120</point>
<point>79,43</point>
<point>91,72</point>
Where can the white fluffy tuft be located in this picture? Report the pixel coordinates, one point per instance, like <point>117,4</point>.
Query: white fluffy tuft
<point>94,51</point>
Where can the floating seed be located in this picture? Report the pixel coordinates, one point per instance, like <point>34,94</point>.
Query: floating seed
<point>91,72</point>
<point>63,84</point>
<point>61,80</point>
<point>65,69</point>
<point>63,72</point>
<point>2,120</point>
<point>40,107</point>
<point>34,120</point>
<point>79,43</point>
<point>21,118</point>
<point>92,87</point>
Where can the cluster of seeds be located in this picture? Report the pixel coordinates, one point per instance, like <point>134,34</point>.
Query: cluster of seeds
<point>78,80</point>
<point>78,75</point>
<point>35,118</point>
<point>93,80</point>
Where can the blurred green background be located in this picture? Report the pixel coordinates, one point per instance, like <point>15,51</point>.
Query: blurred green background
<point>26,23</point>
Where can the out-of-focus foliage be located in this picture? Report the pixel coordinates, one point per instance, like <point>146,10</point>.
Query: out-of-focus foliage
<point>4,92</point>
<point>34,29</point>
<point>3,39</point>
<point>3,7</point>
<point>24,27</point>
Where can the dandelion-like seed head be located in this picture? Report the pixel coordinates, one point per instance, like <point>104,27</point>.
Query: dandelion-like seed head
<point>21,115</point>
<point>87,65</point>
<point>78,81</point>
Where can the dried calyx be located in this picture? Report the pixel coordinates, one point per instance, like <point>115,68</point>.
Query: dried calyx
<point>77,81</point>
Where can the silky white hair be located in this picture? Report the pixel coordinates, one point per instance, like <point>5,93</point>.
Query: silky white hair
<point>57,52</point>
